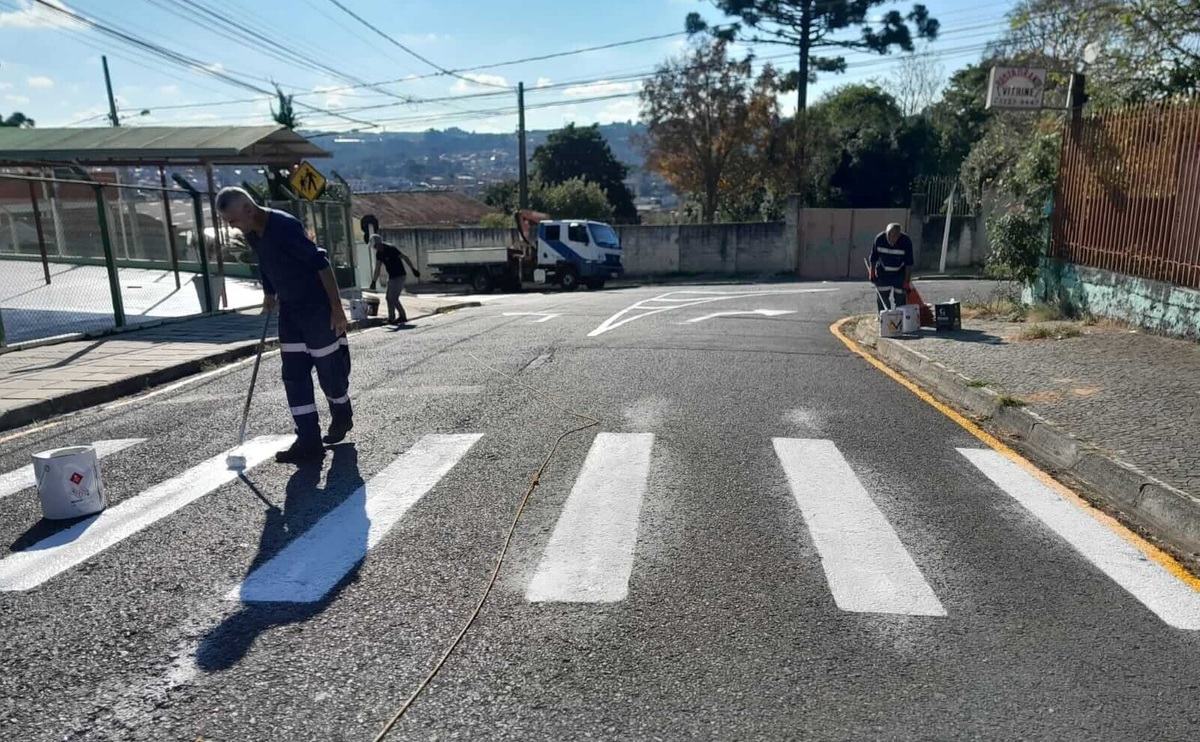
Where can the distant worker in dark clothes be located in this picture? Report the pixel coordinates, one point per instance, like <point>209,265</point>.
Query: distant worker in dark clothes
<point>297,277</point>
<point>891,266</point>
<point>389,258</point>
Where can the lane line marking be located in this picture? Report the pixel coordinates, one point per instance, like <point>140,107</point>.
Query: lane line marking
<point>589,558</point>
<point>1165,560</point>
<point>761,312</point>
<point>619,318</point>
<point>544,316</point>
<point>866,565</point>
<point>1174,602</point>
<point>309,567</point>
<point>56,554</point>
<point>24,478</point>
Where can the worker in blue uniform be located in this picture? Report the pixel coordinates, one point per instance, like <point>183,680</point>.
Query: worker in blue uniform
<point>891,266</point>
<point>297,277</point>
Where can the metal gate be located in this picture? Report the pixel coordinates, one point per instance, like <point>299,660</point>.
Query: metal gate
<point>329,224</point>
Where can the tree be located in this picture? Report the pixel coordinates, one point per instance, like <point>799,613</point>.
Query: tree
<point>813,26</point>
<point>866,154</point>
<point>502,195</point>
<point>960,118</point>
<point>17,120</point>
<point>916,82</point>
<point>581,153</point>
<point>572,199</point>
<point>286,115</point>
<point>707,119</point>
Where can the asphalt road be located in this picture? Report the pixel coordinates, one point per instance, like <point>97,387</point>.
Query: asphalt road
<point>763,537</point>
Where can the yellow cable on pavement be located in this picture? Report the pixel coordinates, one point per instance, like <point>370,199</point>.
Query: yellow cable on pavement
<point>487,591</point>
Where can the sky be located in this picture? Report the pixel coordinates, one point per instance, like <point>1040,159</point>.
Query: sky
<point>347,77</point>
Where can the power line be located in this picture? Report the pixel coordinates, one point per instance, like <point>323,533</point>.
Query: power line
<point>176,57</point>
<point>404,48</point>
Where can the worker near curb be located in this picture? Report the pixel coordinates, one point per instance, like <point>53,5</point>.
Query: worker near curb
<point>389,258</point>
<point>297,277</point>
<point>891,266</point>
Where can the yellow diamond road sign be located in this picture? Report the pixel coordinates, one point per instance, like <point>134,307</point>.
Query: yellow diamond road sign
<point>307,182</point>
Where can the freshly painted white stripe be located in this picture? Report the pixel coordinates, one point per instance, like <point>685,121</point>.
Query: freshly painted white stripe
<point>590,554</point>
<point>647,307</point>
<point>761,312</point>
<point>56,554</point>
<point>23,478</point>
<point>293,348</point>
<point>308,409</point>
<point>327,350</point>
<point>868,569</point>
<point>1172,600</point>
<point>339,400</point>
<point>308,568</point>
<point>544,316</point>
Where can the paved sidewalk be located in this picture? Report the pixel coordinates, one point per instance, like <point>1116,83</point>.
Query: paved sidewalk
<point>39,382</point>
<point>1115,407</point>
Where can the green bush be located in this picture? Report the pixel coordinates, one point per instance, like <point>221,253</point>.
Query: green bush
<point>1018,240</point>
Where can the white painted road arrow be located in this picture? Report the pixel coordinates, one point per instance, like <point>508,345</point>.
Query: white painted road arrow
<point>763,312</point>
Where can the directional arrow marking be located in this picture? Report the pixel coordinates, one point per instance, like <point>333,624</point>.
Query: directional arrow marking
<point>678,300</point>
<point>762,312</point>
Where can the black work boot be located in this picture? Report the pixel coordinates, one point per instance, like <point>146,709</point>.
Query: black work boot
<point>339,426</point>
<point>301,452</point>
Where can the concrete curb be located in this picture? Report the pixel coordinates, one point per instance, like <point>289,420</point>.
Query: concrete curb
<point>1171,514</point>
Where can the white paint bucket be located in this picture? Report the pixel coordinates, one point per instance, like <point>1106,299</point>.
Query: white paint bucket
<point>912,318</point>
<point>68,482</point>
<point>358,309</point>
<point>891,323</point>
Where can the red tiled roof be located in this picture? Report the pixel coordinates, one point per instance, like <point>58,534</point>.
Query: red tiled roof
<point>396,209</point>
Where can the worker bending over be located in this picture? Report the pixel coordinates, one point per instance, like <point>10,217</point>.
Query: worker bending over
<point>297,277</point>
<point>891,266</point>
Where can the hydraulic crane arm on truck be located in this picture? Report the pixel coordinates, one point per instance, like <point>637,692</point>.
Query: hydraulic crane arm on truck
<point>546,251</point>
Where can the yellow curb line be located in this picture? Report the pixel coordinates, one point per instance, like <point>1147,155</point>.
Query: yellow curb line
<point>1151,551</point>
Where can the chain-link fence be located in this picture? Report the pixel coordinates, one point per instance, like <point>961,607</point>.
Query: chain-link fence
<point>87,252</point>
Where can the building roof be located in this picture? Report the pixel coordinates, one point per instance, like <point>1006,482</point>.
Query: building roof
<point>397,209</point>
<point>157,145</point>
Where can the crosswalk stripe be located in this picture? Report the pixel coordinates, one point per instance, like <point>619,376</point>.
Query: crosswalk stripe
<point>23,478</point>
<point>311,565</point>
<point>590,554</point>
<point>866,565</point>
<point>1173,601</point>
<point>72,546</point>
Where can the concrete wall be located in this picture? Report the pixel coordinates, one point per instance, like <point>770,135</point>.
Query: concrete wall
<point>758,248</point>
<point>966,248</point>
<point>837,241</point>
<point>1159,307</point>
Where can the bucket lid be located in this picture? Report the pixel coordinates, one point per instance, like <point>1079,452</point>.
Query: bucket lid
<point>61,452</point>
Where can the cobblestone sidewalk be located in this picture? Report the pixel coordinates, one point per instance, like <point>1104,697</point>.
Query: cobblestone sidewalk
<point>1132,395</point>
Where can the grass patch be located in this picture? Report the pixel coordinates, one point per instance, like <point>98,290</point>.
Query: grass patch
<point>1045,313</point>
<point>1050,332</point>
<point>1007,401</point>
<point>978,384</point>
<point>998,309</point>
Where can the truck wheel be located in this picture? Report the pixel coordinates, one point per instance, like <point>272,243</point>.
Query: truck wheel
<point>570,281</point>
<point>482,282</point>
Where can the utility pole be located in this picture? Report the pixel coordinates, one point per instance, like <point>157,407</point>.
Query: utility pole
<point>112,102</point>
<point>524,168</point>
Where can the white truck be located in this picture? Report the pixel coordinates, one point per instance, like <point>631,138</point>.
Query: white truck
<point>565,252</point>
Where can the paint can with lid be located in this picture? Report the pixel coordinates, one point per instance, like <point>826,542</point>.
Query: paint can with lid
<point>68,482</point>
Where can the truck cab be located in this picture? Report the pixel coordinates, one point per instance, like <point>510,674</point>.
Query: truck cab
<point>570,252</point>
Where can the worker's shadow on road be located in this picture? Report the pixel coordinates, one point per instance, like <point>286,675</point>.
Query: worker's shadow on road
<point>343,502</point>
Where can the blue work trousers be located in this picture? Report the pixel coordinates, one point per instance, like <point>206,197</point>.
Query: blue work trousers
<point>307,342</point>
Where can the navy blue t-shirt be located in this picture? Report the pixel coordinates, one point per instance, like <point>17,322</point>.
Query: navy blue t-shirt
<point>890,260</point>
<point>289,261</point>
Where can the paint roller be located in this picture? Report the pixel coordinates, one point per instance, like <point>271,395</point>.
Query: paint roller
<point>237,459</point>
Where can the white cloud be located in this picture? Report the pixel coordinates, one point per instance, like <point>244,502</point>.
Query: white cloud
<point>423,38</point>
<point>169,90</point>
<point>18,99</point>
<point>35,15</point>
<point>543,82</point>
<point>40,81</point>
<point>621,110</point>
<point>5,85</point>
<point>214,67</point>
<point>603,87</point>
<point>332,99</point>
<point>480,81</point>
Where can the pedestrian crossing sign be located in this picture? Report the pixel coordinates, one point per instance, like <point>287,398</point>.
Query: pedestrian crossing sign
<point>307,181</point>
